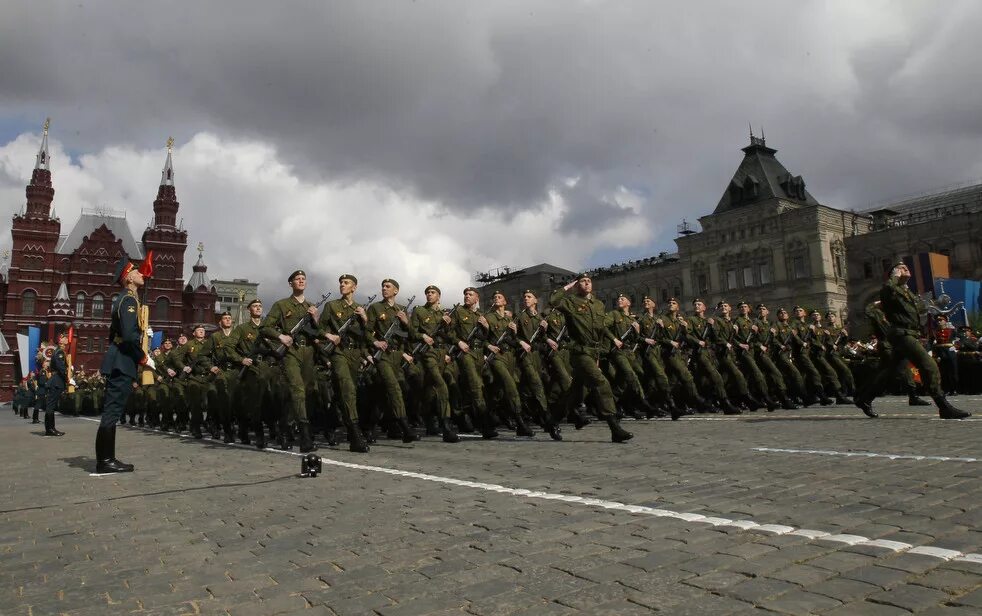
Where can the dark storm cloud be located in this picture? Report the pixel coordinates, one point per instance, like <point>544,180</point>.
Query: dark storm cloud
<point>492,104</point>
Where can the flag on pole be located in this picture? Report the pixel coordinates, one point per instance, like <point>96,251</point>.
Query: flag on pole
<point>24,352</point>
<point>146,268</point>
<point>4,347</point>
<point>33,344</point>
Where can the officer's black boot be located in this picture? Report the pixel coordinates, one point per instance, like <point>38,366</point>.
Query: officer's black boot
<point>34,419</point>
<point>49,424</point>
<point>617,433</point>
<point>521,428</point>
<point>446,428</point>
<point>947,411</point>
<point>408,434</point>
<point>356,440</point>
<point>105,452</point>
<point>914,400</point>
<point>307,443</point>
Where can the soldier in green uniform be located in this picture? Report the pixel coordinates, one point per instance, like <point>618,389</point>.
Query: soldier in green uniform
<point>343,323</point>
<point>247,349</point>
<point>563,401</point>
<point>821,343</point>
<point>390,354</point>
<point>175,417</point>
<point>745,337</point>
<point>699,336</point>
<point>427,326</point>
<point>763,347</point>
<point>195,374</point>
<point>674,336</point>
<point>530,332</point>
<point>904,316</point>
<point>623,367</point>
<point>500,360</point>
<point>881,326</point>
<point>468,332</point>
<point>725,345</point>
<point>653,368</point>
<point>802,337</point>
<point>298,362</point>
<point>838,336</point>
<point>586,321</point>
<point>222,381</point>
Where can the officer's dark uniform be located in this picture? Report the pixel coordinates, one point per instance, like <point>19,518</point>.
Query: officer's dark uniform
<point>55,387</point>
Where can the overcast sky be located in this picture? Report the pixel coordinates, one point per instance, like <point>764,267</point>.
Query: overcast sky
<point>429,140</point>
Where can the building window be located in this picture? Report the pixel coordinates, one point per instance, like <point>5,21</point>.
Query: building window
<point>161,309</point>
<point>98,306</point>
<point>87,344</point>
<point>33,262</point>
<point>80,305</point>
<point>678,292</point>
<point>29,302</point>
<point>703,284</point>
<point>764,271</point>
<point>748,276</point>
<point>798,266</point>
<point>664,296</point>
<point>731,279</point>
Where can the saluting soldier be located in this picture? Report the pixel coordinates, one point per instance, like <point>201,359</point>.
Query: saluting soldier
<point>298,363</point>
<point>586,321</point>
<point>381,317</point>
<point>428,326</point>
<point>903,314</point>
<point>348,348</point>
<point>119,365</point>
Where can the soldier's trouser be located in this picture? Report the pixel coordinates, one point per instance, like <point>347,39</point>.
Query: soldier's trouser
<point>904,348</point>
<point>195,393</point>
<point>220,399</point>
<point>728,366</point>
<point>654,374</point>
<point>773,374</point>
<point>560,378</point>
<point>674,363</point>
<point>843,372</point>
<point>626,373</point>
<point>251,393</point>
<point>829,378</point>
<point>389,369</point>
<point>119,388</point>
<point>703,361</point>
<point>501,367</point>
<point>532,391</point>
<point>77,402</point>
<point>752,371</point>
<point>433,382</point>
<point>298,370</point>
<point>586,373</point>
<point>471,384</point>
<point>813,379</point>
<point>344,373</point>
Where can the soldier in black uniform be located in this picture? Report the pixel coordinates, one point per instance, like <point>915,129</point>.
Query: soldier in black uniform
<point>119,366</point>
<point>56,385</point>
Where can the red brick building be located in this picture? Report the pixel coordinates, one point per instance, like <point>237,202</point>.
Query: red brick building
<point>55,280</point>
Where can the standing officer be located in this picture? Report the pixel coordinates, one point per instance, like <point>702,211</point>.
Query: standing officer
<point>298,363</point>
<point>119,366</point>
<point>56,385</point>
<point>904,317</point>
<point>587,323</point>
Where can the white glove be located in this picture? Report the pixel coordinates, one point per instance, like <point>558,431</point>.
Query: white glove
<point>149,332</point>
<point>150,363</point>
<point>71,382</point>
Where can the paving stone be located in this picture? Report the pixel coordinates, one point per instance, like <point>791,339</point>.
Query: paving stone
<point>802,575</point>
<point>910,597</point>
<point>757,590</point>
<point>843,589</point>
<point>800,602</point>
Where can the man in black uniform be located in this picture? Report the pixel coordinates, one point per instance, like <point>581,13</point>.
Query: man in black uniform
<point>56,385</point>
<point>904,317</point>
<point>119,366</point>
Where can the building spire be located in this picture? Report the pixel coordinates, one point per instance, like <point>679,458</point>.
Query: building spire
<point>43,156</point>
<point>167,175</point>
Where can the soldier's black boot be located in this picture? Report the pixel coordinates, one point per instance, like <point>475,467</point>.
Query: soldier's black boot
<point>34,418</point>
<point>752,403</point>
<point>866,406</point>
<point>770,403</point>
<point>464,422</point>
<point>356,440</point>
<point>823,399</point>
<point>914,400</point>
<point>260,435</point>
<point>787,403</point>
<point>307,443</point>
<point>23,412</point>
<point>729,408</point>
<point>244,433</point>
<point>432,425</point>
<point>106,454</point>
<point>446,428</point>
<point>487,427</point>
<point>521,428</point>
<point>408,434</point>
<point>49,424</point>
<point>330,437</point>
<point>947,411</point>
<point>284,436</point>
<point>842,398</point>
<point>580,420</point>
<point>228,435</point>
<point>617,433</point>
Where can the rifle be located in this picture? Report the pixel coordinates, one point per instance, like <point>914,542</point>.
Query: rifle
<point>490,356</point>
<point>421,345</point>
<point>392,328</point>
<point>455,351</point>
<point>532,338</point>
<point>328,347</point>
<point>559,337</point>
<point>280,351</point>
<point>651,334</point>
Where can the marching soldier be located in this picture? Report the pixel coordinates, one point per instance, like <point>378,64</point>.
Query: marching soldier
<point>469,332</point>
<point>500,360</point>
<point>802,337</point>
<point>653,368</point>
<point>766,341</point>
<point>530,327</point>
<point>724,331</point>
<point>214,358</point>
<point>698,335</point>
<point>427,326</point>
<point>587,323</point>
<point>675,328</point>
<point>382,317</point>
<point>746,335</point>
<point>822,341</point>
<point>623,367</point>
<point>838,336</point>
<point>245,348</point>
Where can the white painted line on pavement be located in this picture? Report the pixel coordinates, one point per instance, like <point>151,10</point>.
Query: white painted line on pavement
<point>779,529</point>
<point>865,454</point>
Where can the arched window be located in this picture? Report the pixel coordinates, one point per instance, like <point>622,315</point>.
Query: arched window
<point>98,306</point>
<point>29,302</point>
<point>161,309</point>
<point>80,305</point>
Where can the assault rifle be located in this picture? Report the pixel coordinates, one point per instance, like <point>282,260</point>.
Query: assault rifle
<point>501,339</point>
<point>280,351</point>
<point>328,347</point>
<point>535,334</point>
<point>421,345</point>
<point>651,334</point>
<point>559,338</point>
<point>455,350</point>
<point>392,329</point>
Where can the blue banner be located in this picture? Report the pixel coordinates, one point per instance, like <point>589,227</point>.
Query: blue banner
<point>960,290</point>
<point>33,343</point>
<point>158,339</point>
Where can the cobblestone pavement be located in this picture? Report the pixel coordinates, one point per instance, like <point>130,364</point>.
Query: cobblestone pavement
<point>713,515</point>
